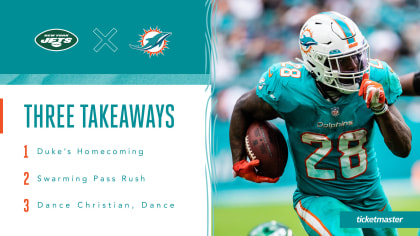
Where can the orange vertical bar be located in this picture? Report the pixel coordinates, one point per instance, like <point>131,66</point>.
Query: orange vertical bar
<point>1,115</point>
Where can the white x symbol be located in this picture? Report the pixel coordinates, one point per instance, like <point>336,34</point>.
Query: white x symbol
<point>105,40</point>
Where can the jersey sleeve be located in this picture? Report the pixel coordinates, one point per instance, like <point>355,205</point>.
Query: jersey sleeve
<point>383,73</point>
<point>272,88</point>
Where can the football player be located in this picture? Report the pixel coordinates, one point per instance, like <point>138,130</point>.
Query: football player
<point>330,102</point>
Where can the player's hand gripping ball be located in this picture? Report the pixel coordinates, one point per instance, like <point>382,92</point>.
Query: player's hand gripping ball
<point>267,149</point>
<point>373,94</point>
<point>247,170</point>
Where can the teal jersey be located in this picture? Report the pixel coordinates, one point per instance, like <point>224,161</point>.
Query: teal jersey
<point>331,143</point>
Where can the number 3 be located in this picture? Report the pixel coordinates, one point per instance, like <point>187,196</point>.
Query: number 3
<point>347,170</point>
<point>26,209</point>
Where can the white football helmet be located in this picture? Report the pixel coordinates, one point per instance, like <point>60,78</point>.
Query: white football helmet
<point>334,51</point>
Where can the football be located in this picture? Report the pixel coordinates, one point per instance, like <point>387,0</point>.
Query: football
<point>265,142</point>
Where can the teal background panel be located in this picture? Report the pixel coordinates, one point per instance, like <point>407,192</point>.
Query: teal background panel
<point>22,21</point>
<point>105,79</point>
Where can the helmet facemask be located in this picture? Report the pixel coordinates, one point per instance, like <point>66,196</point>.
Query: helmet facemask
<point>345,71</point>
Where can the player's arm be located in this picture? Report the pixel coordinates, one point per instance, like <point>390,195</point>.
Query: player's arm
<point>396,133</point>
<point>410,84</point>
<point>249,107</point>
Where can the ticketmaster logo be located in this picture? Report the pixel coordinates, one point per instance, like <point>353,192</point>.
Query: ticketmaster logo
<point>334,125</point>
<point>382,219</point>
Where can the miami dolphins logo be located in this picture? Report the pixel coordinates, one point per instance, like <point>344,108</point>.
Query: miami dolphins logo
<point>153,41</point>
<point>306,41</point>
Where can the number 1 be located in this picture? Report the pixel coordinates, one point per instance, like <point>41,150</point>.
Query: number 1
<point>26,151</point>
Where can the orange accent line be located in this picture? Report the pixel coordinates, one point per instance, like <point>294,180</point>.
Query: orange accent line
<point>340,26</point>
<point>308,223</point>
<point>383,208</point>
<point>323,226</point>
<point>269,73</point>
<point>342,30</point>
<point>1,115</point>
<point>316,218</point>
<point>353,44</point>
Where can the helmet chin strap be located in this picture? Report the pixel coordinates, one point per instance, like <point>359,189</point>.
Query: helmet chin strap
<point>329,93</point>
<point>332,94</point>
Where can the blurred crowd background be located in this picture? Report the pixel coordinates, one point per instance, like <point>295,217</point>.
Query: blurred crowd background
<point>254,34</point>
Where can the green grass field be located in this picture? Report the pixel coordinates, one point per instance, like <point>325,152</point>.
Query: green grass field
<point>238,221</point>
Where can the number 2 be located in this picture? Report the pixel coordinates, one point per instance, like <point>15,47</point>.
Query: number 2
<point>26,179</point>
<point>376,63</point>
<point>348,171</point>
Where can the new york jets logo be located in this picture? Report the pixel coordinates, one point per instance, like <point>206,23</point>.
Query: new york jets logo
<point>56,40</point>
<point>153,42</point>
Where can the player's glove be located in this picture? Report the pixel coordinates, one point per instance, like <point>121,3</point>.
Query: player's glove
<point>247,171</point>
<point>374,95</point>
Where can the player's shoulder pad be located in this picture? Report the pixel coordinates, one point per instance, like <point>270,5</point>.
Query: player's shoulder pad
<point>278,85</point>
<point>382,73</point>
<point>277,77</point>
